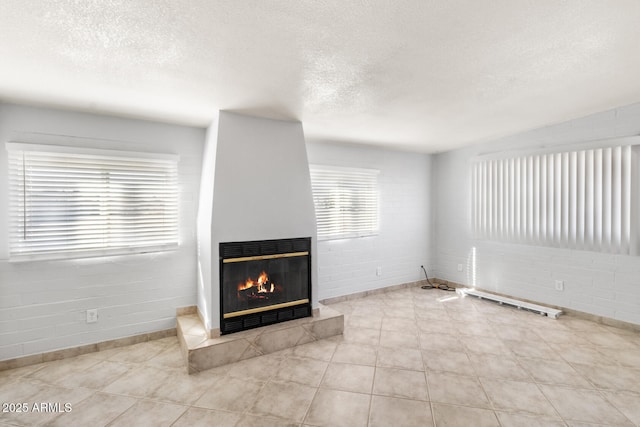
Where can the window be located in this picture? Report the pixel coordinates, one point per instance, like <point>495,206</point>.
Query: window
<point>581,199</point>
<point>68,202</point>
<point>346,201</point>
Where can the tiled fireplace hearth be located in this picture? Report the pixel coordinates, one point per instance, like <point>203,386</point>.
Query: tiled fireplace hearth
<point>201,352</point>
<point>265,305</point>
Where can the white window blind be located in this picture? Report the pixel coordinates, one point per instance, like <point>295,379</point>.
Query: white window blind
<point>583,199</point>
<point>346,201</point>
<point>67,202</point>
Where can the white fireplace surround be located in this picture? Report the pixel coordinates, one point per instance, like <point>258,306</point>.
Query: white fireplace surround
<point>255,186</point>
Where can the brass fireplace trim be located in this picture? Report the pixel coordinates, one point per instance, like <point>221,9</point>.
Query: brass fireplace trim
<point>261,257</point>
<point>266,308</point>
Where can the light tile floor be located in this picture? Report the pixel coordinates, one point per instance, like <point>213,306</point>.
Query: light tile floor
<point>407,358</point>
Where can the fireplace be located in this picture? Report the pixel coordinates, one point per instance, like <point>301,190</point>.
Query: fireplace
<point>264,282</point>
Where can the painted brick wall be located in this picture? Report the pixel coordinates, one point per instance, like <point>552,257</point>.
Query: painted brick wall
<point>43,304</point>
<point>596,283</point>
<point>349,265</point>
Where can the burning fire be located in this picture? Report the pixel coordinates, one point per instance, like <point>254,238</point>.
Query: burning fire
<point>261,283</point>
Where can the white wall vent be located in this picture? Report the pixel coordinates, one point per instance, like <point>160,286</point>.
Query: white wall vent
<point>521,305</point>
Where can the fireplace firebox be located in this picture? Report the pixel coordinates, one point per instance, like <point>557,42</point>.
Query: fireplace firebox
<point>264,282</point>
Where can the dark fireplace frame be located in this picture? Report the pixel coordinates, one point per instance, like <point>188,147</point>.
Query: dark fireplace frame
<point>264,316</point>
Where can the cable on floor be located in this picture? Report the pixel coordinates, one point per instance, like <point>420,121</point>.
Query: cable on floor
<point>430,285</point>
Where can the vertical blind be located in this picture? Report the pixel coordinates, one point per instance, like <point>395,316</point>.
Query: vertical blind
<point>346,201</point>
<point>584,199</point>
<point>67,202</point>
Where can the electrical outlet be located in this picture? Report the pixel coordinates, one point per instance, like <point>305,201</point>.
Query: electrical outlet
<point>379,271</point>
<point>459,267</point>
<point>559,285</point>
<point>92,315</point>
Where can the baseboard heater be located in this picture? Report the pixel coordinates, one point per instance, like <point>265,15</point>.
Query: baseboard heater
<point>545,311</point>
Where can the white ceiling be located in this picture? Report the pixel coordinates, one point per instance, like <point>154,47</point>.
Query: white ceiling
<point>425,75</point>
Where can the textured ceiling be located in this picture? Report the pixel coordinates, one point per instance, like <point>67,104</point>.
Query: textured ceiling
<point>426,75</point>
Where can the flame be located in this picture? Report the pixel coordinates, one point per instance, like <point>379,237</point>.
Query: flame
<point>263,278</point>
<point>260,283</point>
<point>246,285</point>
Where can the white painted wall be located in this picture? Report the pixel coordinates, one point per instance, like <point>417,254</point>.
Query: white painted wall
<point>42,304</point>
<point>261,190</point>
<point>600,284</point>
<point>405,240</point>
<point>425,219</point>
